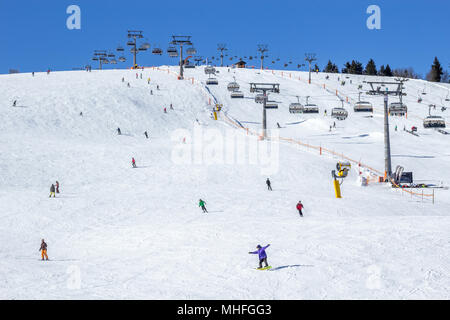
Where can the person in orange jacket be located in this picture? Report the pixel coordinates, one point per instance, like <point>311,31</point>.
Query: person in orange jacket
<point>43,250</point>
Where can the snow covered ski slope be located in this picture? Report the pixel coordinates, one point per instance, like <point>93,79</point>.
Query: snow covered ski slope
<point>117,232</point>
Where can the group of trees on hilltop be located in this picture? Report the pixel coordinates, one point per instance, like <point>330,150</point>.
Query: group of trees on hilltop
<point>436,74</point>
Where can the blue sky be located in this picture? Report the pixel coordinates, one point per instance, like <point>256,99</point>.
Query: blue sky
<point>35,36</point>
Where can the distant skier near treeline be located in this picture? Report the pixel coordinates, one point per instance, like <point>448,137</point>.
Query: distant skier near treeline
<point>202,204</point>
<point>261,252</point>
<point>43,250</point>
<point>52,191</point>
<point>300,208</point>
<point>269,185</point>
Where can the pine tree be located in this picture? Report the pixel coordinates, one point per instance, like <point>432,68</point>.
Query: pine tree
<point>381,72</point>
<point>388,71</point>
<point>331,68</point>
<point>371,68</point>
<point>436,71</point>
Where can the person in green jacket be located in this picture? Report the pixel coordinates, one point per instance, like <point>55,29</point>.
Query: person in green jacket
<point>201,204</point>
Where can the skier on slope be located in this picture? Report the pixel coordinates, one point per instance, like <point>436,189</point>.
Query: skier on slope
<point>165,110</point>
<point>52,191</point>
<point>57,187</point>
<point>269,186</point>
<point>146,134</point>
<point>133,162</point>
<point>261,251</point>
<point>202,204</point>
<point>119,132</point>
<point>43,250</point>
<point>14,103</point>
<point>299,208</point>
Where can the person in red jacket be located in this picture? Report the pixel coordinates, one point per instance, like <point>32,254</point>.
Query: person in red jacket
<point>299,208</point>
<point>133,162</point>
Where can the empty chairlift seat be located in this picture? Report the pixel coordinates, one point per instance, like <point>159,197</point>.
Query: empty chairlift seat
<point>233,86</point>
<point>296,107</point>
<point>397,109</point>
<point>434,122</point>
<point>311,108</point>
<point>271,105</point>
<point>237,94</point>
<point>339,113</point>
<point>210,70</point>
<point>363,106</point>
<point>212,81</point>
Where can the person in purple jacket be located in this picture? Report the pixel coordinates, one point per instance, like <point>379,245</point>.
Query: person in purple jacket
<point>261,254</point>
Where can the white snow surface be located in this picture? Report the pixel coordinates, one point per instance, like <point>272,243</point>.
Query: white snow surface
<point>115,232</point>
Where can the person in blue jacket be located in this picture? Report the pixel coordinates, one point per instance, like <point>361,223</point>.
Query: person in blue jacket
<point>261,254</point>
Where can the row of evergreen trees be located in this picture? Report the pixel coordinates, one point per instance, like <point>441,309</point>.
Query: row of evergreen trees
<point>436,73</point>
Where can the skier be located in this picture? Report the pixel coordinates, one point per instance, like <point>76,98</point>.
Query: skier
<point>325,112</point>
<point>148,81</point>
<point>278,125</point>
<point>128,84</point>
<point>32,73</point>
<point>165,110</point>
<point>151,92</point>
<point>48,71</point>
<point>269,186</point>
<point>136,75</point>
<point>299,208</point>
<point>141,75</point>
<point>57,187</point>
<point>52,191</point>
<point>261,254</point>
<point>171,108</point>
<point>330,128</point>
<point>123,79</point>
<point>14,103</point>
<point>202,204</point>
<point>43,250</point>
<point>146,134</point>
<point>334,124</point>
<point>395,127</point>
<point>81,114</point>
<point>133,162</point>
<point>157,87</point>
<point>118,131</point>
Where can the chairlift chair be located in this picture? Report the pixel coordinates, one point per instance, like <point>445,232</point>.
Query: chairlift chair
<point>339,113</point>
<point>122,59</point>
<point>233,86</point>
<point>397,109</point>
<point>433,121</point>
<point>236,94</point>
<point>363,106</point>
<point>212,81</point>
<point>311,108</point>
<point>113,61</point>
<point>130,43</point>
<point>120,49</point>
<point>191,51</point>
<point>157,51</point>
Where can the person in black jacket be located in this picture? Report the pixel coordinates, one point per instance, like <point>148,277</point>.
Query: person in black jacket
<point>269,187</point>
<point>52,191</point>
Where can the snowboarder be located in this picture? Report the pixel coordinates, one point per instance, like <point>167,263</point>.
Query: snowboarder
<point>299,208</point>
<point>269,186</point>
<point>52,191</point>
<point>146,134</point>
<point>43,250</point>
<point>261,254</point>
<point>57,187</point>
<point>133,162</point>
<point>118,131</point>
<point>202,204</point>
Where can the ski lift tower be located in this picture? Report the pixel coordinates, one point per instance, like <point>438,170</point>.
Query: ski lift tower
<point>398,91</point>
<point>100,56</point>
<point>262,48</point>
<point>264,88</point>
<point>221,47</point>
<point>134,35</point>
<point>181,41</point>
<point>310,57</point>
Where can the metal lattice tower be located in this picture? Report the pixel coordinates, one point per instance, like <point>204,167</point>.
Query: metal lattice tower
<point>134,35</point>
<point>181,41</point>
<point>310,57</point>
<point>221,47</point>
<point>262,48</point>
<point>100,55</point>
<point>264,88</point>
<point>386,93</point>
